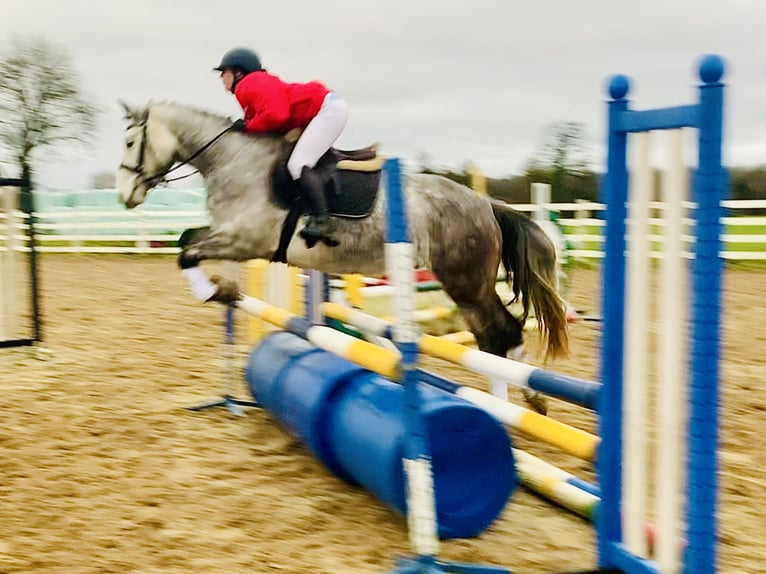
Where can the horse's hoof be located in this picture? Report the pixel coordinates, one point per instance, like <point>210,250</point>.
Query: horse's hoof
<point>536,400</point>
<point>227,291</point>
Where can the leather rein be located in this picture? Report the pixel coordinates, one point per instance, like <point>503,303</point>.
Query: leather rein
<point>154,180</point>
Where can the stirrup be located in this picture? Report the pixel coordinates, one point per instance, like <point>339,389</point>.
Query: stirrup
<point>310,234</point>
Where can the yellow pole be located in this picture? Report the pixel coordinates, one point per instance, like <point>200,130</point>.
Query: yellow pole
<point>256,287</point>
<point>353,284</point>
<point>278,284</point>
<point>478,180</point>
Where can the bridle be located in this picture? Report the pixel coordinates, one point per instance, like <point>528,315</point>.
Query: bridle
<point>156,179</point>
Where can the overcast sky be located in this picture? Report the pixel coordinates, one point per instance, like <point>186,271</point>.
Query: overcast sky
<point>457,80</point>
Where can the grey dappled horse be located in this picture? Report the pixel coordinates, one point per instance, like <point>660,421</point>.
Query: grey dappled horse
<point>460,235</point>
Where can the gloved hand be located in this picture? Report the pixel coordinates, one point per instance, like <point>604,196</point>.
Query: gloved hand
<point>238,125</point>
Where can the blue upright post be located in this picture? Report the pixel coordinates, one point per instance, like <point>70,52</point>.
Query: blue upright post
<point>421,506</point>
<point>613,297</point>
<point>421,502</point>
<point>703,364</point>
<point>709,189</point>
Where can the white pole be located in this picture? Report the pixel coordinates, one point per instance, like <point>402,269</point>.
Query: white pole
<point>280,290</point>
<point>670,399</point>
<point>635,352</point>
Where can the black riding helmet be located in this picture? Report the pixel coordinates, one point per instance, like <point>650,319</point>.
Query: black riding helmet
<point>242,59</point>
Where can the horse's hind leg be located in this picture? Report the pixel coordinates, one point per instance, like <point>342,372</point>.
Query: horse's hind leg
<point>495,329</point>
<point>500,333</point>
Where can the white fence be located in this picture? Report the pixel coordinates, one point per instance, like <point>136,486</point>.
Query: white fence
<point>155,231</point>
<point>744,236</point>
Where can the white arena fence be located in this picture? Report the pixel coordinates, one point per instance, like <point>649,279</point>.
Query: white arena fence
<point>154,231</point>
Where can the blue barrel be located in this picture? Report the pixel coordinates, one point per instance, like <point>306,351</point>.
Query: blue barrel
<point>282,375</point>
<point>351,419</point>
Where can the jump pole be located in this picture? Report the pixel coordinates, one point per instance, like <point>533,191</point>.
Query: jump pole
<point>570,389</point>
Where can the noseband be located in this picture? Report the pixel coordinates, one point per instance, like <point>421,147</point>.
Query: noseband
<point>138,169</point>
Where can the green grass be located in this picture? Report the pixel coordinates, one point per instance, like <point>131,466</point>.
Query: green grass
<point>756,247</point>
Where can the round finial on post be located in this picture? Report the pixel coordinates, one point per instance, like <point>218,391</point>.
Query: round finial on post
<point>619,86</point>
<point>711,69</point>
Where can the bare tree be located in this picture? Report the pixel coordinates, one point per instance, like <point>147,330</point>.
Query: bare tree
<point>564,147</point>
<point>562,161</point>
<point>40,100</point>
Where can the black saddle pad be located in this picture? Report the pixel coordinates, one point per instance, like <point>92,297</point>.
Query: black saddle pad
<point>352,194</point>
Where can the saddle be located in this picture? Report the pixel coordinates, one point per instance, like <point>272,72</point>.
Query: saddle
<point>351,181</point>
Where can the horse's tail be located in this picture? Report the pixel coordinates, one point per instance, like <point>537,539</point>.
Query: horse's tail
<point>529,259</point>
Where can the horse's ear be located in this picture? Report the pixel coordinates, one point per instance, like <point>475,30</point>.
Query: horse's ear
<point>135,114</point>
<point>129,113</point>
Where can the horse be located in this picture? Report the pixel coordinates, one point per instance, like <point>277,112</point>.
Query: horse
<point>461,235</point>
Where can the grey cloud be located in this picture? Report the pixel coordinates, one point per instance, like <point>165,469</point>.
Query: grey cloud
<point>477,81</point>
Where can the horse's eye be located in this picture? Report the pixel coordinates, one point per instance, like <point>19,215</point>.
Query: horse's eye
<point>129,144</point>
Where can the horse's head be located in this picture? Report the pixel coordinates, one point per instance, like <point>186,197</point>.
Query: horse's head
<point>150,151</point>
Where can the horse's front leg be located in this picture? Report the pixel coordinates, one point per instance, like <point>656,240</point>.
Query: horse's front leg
<point>198,245</point>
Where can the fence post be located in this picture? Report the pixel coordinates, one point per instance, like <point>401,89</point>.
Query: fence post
<point>9,197</point>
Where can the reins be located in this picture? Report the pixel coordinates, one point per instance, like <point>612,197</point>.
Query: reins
<point>153,180</point>
<point>190,158</point>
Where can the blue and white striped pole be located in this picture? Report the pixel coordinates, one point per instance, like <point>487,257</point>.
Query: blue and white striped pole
<point>418,472</point>
<point>421,504</point>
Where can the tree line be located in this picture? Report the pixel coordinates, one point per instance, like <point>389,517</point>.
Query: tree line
<point>563,163</point>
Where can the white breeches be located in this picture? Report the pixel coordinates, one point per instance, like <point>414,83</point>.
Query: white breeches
<point>319,135</point>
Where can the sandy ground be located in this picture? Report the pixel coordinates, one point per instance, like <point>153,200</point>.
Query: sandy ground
<point>103,469</point>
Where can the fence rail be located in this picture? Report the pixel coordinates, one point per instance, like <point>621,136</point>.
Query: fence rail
<point>156,231</point>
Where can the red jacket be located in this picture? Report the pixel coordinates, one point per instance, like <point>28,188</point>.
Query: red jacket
<point>274,106</point>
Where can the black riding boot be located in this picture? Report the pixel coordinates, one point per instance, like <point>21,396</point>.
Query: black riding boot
<point>320,226</point>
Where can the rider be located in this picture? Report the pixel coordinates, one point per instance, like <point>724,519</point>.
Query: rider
<point>273,106</point>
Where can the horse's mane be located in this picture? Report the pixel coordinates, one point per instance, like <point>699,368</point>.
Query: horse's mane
<point>190,110</point>
<point>201,116</point>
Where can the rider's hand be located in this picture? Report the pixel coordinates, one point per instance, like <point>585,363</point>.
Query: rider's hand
<point>238,125</point>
